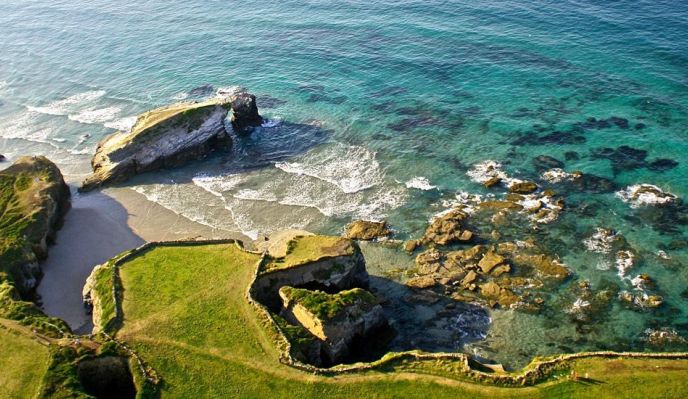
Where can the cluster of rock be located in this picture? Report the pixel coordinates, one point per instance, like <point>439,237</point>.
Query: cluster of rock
<point>487,274</point>
<point>170,136</point>
<point>447,228</point>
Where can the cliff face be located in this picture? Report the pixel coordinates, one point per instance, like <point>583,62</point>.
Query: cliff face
<point>335,319</point>
<point>33,200</point>
<point>332,263</point>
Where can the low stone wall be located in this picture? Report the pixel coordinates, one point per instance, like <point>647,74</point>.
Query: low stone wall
<point>536,371</point>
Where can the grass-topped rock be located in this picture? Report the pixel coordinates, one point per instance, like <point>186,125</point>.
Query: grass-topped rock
<point>33,200</point>
<point>170,136</point>
<point>321,262</point>
<point>335,319</point>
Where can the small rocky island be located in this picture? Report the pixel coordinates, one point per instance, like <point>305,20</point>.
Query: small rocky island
<point>170,136</point>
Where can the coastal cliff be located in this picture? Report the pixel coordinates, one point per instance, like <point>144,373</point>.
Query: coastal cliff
<point>330,263</point>
<point>335,319</point>
<point>170,136</point>
<point>33,200</point>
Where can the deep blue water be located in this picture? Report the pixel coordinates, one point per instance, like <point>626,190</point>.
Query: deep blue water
<point>373,96</point>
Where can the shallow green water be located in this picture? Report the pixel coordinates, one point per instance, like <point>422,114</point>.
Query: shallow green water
<point>373,96</point>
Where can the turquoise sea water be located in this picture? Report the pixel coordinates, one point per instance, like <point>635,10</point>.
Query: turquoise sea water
<point>381,108</point>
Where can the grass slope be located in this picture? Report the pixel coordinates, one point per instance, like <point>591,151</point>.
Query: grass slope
<point>23,362</point>
<point>185,312</point>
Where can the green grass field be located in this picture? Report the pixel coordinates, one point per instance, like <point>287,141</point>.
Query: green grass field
<point>186,314</point>
<point>23,362</point>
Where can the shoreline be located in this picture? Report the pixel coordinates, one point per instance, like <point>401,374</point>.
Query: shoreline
<point>100,225</point>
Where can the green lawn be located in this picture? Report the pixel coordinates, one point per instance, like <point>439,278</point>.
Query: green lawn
<point>23,362</point>
<point>186,314</point>
<point>303,249</point>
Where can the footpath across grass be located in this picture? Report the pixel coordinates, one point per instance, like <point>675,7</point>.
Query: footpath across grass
<point>186,314</point>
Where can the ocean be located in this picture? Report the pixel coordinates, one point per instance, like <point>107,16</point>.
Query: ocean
<point>381,110</point>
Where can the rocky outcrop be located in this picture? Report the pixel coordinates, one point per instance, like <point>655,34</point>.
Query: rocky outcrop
<point>366,230</point>
<point>33,200</point>
<point>165,137</point>
<point>245,112</point>
<point>524,187</point>
<point>328,263</point>
<point>335,319</point>
<point>443,230</point>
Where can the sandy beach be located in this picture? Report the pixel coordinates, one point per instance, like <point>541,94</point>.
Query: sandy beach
<point>100,225</point>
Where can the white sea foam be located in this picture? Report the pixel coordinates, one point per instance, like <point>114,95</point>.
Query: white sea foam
<point>420,183</point>
<point>579,305</point>
<point>467,201</point>
<point>604,265</point>
<point>601,241</point>
<point>645,194</point>
<point>269,123</point>
<point>351,168</point>
<point>180,96</point>
<point>217,185</point>
<point>100,115</point>
<point>229,91</point>
<point>123,124</point>
<point>624,262</point>
<point>486,170</point>
<point>26,127</point>
<point>557,175</point>
<point>69,104</point>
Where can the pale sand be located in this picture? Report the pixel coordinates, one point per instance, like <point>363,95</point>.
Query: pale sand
<point>99,226</point>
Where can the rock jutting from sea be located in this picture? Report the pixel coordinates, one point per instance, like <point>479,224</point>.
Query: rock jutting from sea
<point>170,136</point>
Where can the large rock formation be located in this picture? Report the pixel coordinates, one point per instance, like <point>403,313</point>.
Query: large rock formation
<point>366,230</point>
<point>329,263</point>
<point>245,112</point>
<point>335,319</point>
<point>170,136</point>
<point>33,200</point>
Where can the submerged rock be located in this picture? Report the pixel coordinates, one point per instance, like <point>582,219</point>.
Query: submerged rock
<point>335,319</point>
<point>165,137</point>
<point>545,162</point>
<point>366,230</point>
<point>33,201</point>
<point>525,187</point>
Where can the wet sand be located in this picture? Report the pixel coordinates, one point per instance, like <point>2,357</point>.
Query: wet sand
<point>99,226</point>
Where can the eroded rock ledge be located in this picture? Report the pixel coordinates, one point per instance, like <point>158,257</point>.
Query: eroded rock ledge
<point>170,136</point>
<point>335,319</point>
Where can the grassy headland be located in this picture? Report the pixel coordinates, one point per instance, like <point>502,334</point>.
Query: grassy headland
<point>185,311</point>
